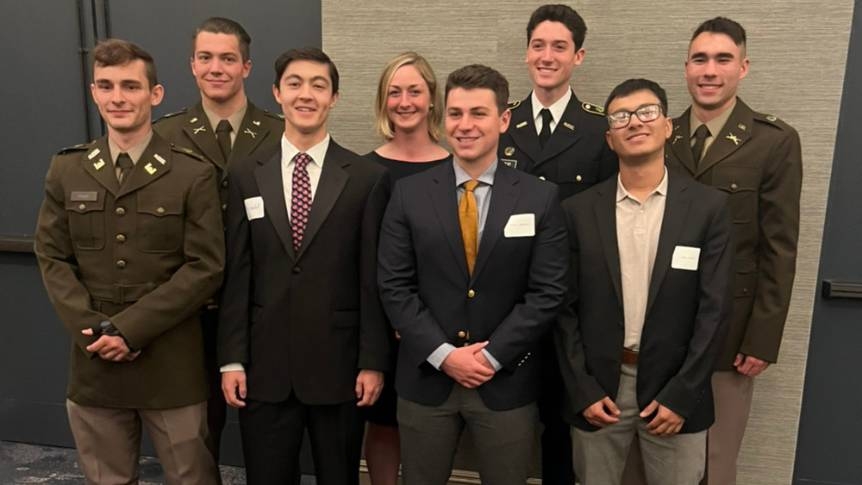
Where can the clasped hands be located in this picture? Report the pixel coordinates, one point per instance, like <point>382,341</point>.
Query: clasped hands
<point>111,347</point>
<point>665,422</point>
<point>468,365</point>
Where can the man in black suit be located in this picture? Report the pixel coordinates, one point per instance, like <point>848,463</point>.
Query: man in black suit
<point>647,306</point>
<point>302,337</point>
<point>568,149</point>
<point>472,273</point>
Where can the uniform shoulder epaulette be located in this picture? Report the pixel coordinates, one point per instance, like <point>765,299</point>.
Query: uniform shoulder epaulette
<point>186,151</point>
<point>74,148</point>
<point>277,116</point>
<point>171,115</point>
<point>514,104</point>
<point>593,109</point>
<point>772,120</point>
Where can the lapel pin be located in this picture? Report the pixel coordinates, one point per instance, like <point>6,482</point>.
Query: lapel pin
<point>150,168</point>
<point>569,125</point>
<point>741,126</point>
<point>93,154</point>
<point>159,159</point>
<point>98,165</point>
<point>509,151</point>
<point>510,163</point>
<point>200,129</point>
<point>255,123</point>
<point>521,124</point>
<point>733,138</point>
<point>676,139</point>
<point>193,120</point>
<point>248,130</point>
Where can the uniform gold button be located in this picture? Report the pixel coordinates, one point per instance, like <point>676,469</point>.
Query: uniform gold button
<point>121,238</point>
<point>471,293</point>
<point>120,211</point>
<point>121,263</point>
<point>542,178</point>
<point>578,178</point>
<point>82,206</point>
<point>224,183</point>
<point>224,207</point>
<point>462,334</point>
<point>160,210</point>
<point>733,186</point>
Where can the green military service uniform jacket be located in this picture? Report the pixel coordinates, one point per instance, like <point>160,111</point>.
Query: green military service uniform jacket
<point>757,160</point>
<point>144,255</point>
<point>190,128</point>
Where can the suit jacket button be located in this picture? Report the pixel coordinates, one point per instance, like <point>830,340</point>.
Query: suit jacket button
<point>296,270</point>
<point>462,334</point>
<point>224,183</point>
<point>120,211</point>
<point>121,238</point>
<point>224,207</point>
<point>471,293</point>
<point>121,263</point>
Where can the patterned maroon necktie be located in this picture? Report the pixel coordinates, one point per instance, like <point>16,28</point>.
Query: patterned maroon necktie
<point>300,203</point>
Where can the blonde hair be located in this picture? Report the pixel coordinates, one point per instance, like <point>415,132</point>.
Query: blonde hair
<point>435,114</point>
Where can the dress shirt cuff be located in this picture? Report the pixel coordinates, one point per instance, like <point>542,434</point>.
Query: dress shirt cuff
<point>494,362</point>
<point>438,356</point>
<point>232,367</point>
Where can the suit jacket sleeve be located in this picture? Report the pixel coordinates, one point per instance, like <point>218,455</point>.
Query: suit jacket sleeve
<point>399,287</point>
<point>177,299</point>
<point>233,338</point>
<point>374,330</point>
<point>779,232</point>
<point>683,392</point>
<point>534,315</point>
<point>582,389</point>
<point>59,267</point>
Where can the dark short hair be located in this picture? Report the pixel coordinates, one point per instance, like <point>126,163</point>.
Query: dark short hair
<point>477,76</point>
<point>563,14</point>
<point>222,25</point>
<point>630,86</point>
<point>118,52</point>
<point>312,54</point>
<point>722,25</point>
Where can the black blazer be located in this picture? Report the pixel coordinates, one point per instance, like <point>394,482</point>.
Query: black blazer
<point>512,299</point>
<point>686,310</point>
<point>304,322</point>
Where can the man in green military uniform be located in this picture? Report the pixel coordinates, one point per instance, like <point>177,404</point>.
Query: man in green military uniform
<point>225,127</point>
<point>130,244</point>
<point>559,138</point>
<point>757,160</point>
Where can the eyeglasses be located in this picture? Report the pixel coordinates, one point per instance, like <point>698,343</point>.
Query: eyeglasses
<point>646,113</point>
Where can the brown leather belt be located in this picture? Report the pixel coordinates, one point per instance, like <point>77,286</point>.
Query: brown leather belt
<point>629,357</point>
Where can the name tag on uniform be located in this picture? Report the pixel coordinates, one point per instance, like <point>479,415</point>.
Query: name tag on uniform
<point>84,196</point>
<point>685,257</point>
<point>254,208</point>
<point>520,225</point>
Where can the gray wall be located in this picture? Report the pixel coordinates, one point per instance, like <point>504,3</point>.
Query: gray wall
<point>798,51</point>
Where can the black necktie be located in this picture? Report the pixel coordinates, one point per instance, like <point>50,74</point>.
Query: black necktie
<point>545,134</point>
<point>223,136</point>
<point>700,136</point>
<point>124,163</point>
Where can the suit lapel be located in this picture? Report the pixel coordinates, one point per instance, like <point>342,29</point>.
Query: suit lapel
<point>252,132</point>
<point>680,142</point>
<point>523,133</point>
<point>154,163</point>
<point>271,187</point>
<point>674,219</point>
<point>564,134</point>
<point>735,132</point>
<point>444,200</point>
<point>504,195</point>
<point>606,216</point>
<point>98,163</point>
<point>333,178</point>
<point>197,128</point>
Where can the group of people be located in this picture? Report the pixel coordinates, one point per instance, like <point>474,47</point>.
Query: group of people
<point>616,275</point>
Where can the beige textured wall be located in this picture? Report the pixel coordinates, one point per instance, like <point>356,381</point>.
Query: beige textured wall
<point>798,54</point>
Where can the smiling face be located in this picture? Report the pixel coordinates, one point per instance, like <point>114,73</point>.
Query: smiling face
<point>551,58</point>
<point>305,93</point>
<point>714,67</point>
<point>218,66</point>
<point>124,96</point>
<point>473,125</point>
<point>639,141</point>
<point>408,100</point>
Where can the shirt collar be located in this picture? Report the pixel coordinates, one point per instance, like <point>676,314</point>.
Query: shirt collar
<point>486,178</point>
<point>317,152</point>
<point>557,108</point>
<point>714,125</point>
<point>661,188</point>
<point>134,152</point>
<point>235,119</point>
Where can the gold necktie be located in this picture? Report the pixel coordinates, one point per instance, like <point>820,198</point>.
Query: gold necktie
<point>468,217</point>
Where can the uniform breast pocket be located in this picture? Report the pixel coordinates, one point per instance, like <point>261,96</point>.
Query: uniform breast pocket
<point>160,222</point>
<point>741,183</point>
<point>87,219</point>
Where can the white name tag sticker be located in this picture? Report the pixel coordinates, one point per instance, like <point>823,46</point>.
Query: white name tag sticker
<point>254,208</point>
<point>520,225</point>
<point>685,257</point>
